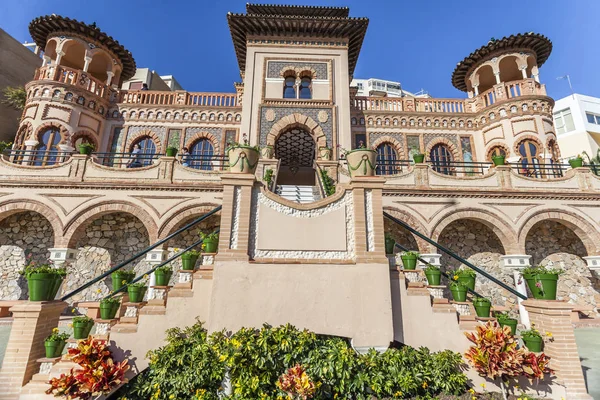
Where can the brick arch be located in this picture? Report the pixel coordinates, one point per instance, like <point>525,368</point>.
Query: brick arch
<point>78,224</point>
<point>65,135</point>
<point>297,72</point>
<point>204,135</point>
<point>87,134</point>
<point>529,136</point>
<point>584,229</point>
<point>500,226</point>
<point>17,206</point>
<point>488,150</point>
<point>24,133</point>
<point>409,219</point>
<point>439,140</point>
<point>146,132</point>
<point>394,142</point>
<point>182,216</point>
<point>297,120</point>
<point>550,137</point>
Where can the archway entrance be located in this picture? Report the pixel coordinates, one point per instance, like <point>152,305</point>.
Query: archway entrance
<point>296,149</point>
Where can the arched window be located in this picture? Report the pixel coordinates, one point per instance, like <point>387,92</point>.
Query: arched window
<point>46,152</point>
<point>289,90</point>
<point>56,94</point>
<point>147,150</point>
<point>69,96</point>
<point>496,151</point>
<point>441,159</point>
<point>387,160</point>
<point>80,100</point>
<point>530,164</point>
<point>201,155</point>
<point>305,88</point>
<point>82,140</point>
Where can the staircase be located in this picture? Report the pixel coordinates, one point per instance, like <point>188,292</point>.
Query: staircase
<point>298,194</point>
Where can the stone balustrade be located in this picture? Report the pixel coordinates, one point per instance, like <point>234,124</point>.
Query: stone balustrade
<point>178,98</point>
<point>75,77</point>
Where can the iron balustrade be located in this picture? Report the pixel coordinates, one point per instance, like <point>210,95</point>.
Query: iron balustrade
<point>37,158</point>
<point>212,162</point>
<point>141,253</point>
<point>391,167</point>
<point>540,171</point>
<point>464,168</point>
<point>122,160</point>
<point>454,255</point>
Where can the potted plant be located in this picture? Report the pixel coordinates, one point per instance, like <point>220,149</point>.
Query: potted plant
<point>542,281</point>
<point>55,343</point>
<point>82,325</point>
<point>121,278</point>
<point>171,151</point>
<point>163,275</point>
<point>267,152</point>
<point>109,307</point>
<point>459,291</point>
<point>390,243</point>
<point>504,319</point>
<point>210,242</point>
<point>243,158</point>
<point>86,148</point>
<point>324,153</point>
<point>576,162</point>
<point>59,276</point>
<point>482,307</point>
<point>498,160</point>
<point>532,340</point>
<point>409,259</point>
<point>433,274</point>
<point>361,161</point>
<point>43,281</point>
<point>419,158</point>
<point>189,259</point>
<point>466,276</point>
<point>136,292</point>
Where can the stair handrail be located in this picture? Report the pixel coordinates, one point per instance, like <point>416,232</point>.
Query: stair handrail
<point>165,262</point>
<point>141,253</point>
<point>474,293</point>
<point>318,172</point>
<point>275,175</point>
<point>455,256</point>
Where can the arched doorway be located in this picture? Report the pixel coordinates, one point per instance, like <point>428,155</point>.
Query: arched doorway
<point>296,149</point>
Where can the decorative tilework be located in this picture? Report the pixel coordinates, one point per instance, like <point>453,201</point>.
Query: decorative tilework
<point>216,132</point>
<point>428,137</point>
<point>275,67</point>
<point>160,131</point>
<point>265,126</point>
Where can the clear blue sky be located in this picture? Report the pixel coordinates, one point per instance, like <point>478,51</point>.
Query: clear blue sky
<point>415,42</point>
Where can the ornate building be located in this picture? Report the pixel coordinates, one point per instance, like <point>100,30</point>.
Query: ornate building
<point>296,102</point>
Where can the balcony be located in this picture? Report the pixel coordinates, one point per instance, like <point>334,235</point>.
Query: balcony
<point>74,77</point>
<point>178,98</point>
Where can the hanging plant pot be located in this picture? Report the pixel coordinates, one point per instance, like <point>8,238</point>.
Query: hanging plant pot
<point>81,330</point>
<point>108,310</point>
<point>482,307</point>
<point>510,322</point>
<point>434,277</point>
<point>267,152</point>
<point>242,159</point>
<point>419,158</point>
<point>390,243</point>
<point>162,277</point>
<point>171,151</point>
<point>409,261</point>
<point>542,286</point>
<point>41,286</point>
<point>467,279</point>
<point>54,348</point>
<point>498,160</point>
<point>324,153</point>
<point>533,343</point>
<point>459,293</point>
<point>188,261</point>
<point>576,162</point>
<point>136,293</point>
<point>361,162</point>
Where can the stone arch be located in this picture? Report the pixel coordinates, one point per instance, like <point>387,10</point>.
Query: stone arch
<point>74,52</point>
<point>50,49</point>
<point>204,135</point>
<point>17,206</point>
<point>140,134</point>
<point>394,142</point>
<point>508,67</point>
<point>64,132</point>
<point>297,120</point>
<point>78,224</point>
<point>24,133</point>
<point>85,134</point>
<point>403,236</point>
<point>492,146</point>
<point>439,140</point>
<point>527,136</point>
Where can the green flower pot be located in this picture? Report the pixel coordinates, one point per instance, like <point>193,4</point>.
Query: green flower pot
<point>510,322</point>
<point>542,286</point>
<point>459,293</point>
<point>162,278</point>
<point>534,344</point>
<point>498,160</point>
<point>409,262</point>
<point>482,308</point>
<point>85,150</point>
<point>108,310</point>
<point>467,280</point>
<point>81,330</point>
<point>419,158</point>
<point>41,286</point>
<point>188,262</point>
<point>171,151</point>
<point>433,277</point>
<point>211,245</point>
<point>117,280</point>
<point>576,163</point>
<point>390,243</point>
<point>57,282</point>
<point>54,348</point>
<point>136,293</point>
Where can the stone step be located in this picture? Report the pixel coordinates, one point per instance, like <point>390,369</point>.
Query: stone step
<point>124,328</point>
<point>153,310</point>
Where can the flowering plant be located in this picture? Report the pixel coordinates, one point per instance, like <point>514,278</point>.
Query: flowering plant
<point>127,275</point>
<point>56,336</point>
<point>296,383</point>
<point>165,269</point>
<point>410,254</point>
<point>462,271</point>
<point>110,300</point>
<point>243,143</point>
<point>431,268</point>
<point>209,236</point>
<point>541,269</point>
<point>82,319</point>
<point>33,268</point>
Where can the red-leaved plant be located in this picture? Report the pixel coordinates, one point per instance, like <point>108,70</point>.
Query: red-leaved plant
<point>296,383</point>
<point>496,355</point>
<point>99,374</point>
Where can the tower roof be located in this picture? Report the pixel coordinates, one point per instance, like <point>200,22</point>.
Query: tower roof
<point>41,27</point>
<point>538,44</point>
<point>289,21</point>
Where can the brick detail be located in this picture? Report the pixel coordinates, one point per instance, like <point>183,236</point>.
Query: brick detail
<point>16,206</point>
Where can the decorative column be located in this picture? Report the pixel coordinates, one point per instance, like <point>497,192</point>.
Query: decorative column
<point>66,151</point>
<point>516,263</point>
<point>524,71</point>
<point>30,145</point>
<point>536,73</point>
<point>110,75</point>
<point>45,60</point>
<point>497,76</point>
<point>153,258</point>
<point>593,263</point>
<point>86,63</point>
<point>59,55</point>
<point>476,89</point>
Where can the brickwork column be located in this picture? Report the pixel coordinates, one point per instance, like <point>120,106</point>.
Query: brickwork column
<point>32,323</point>
<point>368,219</point>
<point>234,237</point>
<point>555,317</point>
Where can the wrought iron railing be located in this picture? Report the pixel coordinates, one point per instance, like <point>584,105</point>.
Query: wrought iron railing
<point>204,162</point>
<point>36,158</point>
<point>127,160</point>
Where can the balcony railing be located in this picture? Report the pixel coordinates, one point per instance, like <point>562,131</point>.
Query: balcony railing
<point>182,98</point>
<point>75,77</point>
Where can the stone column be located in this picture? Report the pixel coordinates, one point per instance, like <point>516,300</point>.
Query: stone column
<point>497,76</point>
<point>153,258</point>
<point>476,89</point>
<point>368,219</point>
<point>593,263</point>
<point>30,146</point>
<point>45,60</point>
<point>432,258</point>
<point>110,75</point>
<point>86,63</point>
<point>59,55</point>
<point>555,317</point>
<point>516,263</point>
<point>235,216</point>
<point>32,323</point>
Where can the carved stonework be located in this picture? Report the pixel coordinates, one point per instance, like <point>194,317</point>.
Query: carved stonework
<point>323,116</point>
<point>270,115</point>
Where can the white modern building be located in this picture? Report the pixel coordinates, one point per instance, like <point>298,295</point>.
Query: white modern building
<point>152,79</point>
<point>577,124</point>
<point>374,87</point>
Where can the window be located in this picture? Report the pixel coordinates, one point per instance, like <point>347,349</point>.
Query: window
<point>201,155</point>
<point>593,118</point>
<point>358,138</point>
<point>289,90</point>
<point>530,165</point>
<point>69,97</point>
<point>564,121</point>
<point>359,86</point>
<point>56,94</point>
<point>441,159</point>
<point>47,148</point>
<point>147,149</point>
<point>80,100</point>
<point>386,160</point>
<point>496,151</point>
<point>305,90</point>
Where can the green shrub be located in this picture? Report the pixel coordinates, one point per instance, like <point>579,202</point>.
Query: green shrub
<point>192,365</point>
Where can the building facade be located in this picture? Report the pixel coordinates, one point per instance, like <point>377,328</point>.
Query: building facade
<point>577,122</point>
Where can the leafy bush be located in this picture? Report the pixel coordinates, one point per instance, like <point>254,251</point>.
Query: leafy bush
<point>193,365</point>
<point>328,183</point>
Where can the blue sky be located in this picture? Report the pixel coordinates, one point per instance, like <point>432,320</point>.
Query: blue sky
<point>415,42</point>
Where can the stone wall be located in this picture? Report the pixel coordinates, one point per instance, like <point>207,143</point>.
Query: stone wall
<point>401,236</point>
<point>189,236</point>
<point>21,234</point>
<point>551,243</point>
